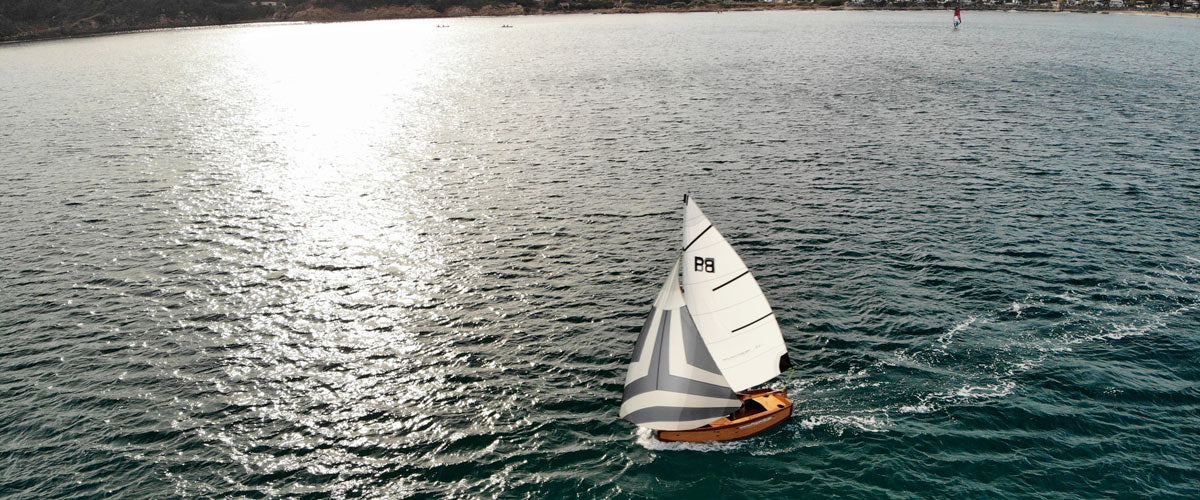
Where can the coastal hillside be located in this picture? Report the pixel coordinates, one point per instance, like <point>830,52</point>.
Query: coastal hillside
<point>41,19</point>
<point>32,19</point>
<point>22,19</point>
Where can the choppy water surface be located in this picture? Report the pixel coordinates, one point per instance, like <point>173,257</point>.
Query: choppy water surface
<point>388,259</point>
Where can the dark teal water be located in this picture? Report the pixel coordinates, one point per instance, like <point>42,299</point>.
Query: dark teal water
<point>390,260</point>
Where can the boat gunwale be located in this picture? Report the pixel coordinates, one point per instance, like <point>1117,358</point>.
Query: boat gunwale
<point>733,424</point>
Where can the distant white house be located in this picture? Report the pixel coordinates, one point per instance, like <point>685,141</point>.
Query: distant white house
<point>258,3</point>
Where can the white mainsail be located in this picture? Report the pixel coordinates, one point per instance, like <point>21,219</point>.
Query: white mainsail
<point>673,383</point>
<point>724,299</point>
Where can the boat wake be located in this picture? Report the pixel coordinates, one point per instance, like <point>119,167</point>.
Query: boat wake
<point>985,354</point>
<point>945,338</point>
<point>645,438</point>
<point>839,424</point>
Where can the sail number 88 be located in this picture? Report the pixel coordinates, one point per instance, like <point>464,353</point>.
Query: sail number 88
<point>707,265</point>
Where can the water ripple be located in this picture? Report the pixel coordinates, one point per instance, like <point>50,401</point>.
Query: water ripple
<point>384,260</point>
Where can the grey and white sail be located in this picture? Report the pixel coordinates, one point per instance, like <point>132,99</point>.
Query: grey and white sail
<point>673,383</point>
<point>724,299</point>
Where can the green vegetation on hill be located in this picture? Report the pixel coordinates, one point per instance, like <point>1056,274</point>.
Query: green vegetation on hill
<point>35,19</point>
<point>48,18</point>
<point>29,19</point>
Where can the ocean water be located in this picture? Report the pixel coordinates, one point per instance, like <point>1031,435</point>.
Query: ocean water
<point>387,259</point>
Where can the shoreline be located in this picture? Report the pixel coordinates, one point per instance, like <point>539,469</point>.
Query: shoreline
<point>314,16</point>
<point>1161,13</point>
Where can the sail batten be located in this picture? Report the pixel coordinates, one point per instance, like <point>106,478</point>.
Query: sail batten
<point>722,285</point>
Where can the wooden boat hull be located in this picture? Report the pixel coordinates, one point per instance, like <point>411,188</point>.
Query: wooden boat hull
<point>777,408</point>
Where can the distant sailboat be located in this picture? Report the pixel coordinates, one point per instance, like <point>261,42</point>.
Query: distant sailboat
<point>957,17</point>
<point>704,345</point>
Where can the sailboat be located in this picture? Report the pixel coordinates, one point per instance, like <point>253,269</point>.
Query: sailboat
<point>709,339</point>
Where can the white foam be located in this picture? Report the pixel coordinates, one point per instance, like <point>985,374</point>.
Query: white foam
<point>852,374</point>
<point>646,438</point>
<point>840,423</point>
<point>1069,298</point>
<point>986,391</point>
<point>1118,331</point>
<point>963,395</point>
<point>945,337</point>
<point>922,407</point>
<point>1024,365</point>
<point>1182,277</point>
